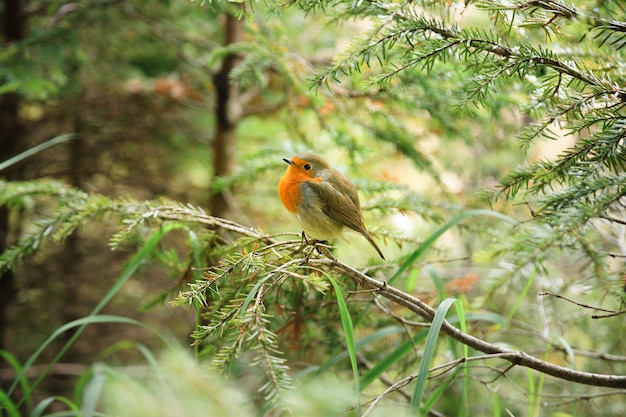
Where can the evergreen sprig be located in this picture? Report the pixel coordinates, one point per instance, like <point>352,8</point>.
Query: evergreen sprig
<point>572,89</point>
<point>75,208</point>
<point>235,305</point>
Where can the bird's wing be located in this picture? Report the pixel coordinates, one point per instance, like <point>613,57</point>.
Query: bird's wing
<point>340,207</point>
<point>343,206</point>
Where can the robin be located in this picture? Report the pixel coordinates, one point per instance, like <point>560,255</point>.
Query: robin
<point>322,198</point>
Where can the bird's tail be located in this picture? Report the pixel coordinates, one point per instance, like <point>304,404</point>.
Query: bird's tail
<point>369,238</point>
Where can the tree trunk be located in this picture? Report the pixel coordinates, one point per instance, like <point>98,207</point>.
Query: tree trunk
<point>12,25</point>
<point>227,114</point>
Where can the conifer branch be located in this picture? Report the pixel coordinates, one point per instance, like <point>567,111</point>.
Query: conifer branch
<point>253,273</point>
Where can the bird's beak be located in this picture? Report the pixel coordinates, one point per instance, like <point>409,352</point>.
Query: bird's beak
<point>289,161</point>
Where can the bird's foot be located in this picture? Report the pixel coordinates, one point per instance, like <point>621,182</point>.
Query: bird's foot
<point>318,245</point>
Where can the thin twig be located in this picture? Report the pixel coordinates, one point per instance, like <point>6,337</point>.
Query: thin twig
<point>515,357</point>
<point>576,302</point>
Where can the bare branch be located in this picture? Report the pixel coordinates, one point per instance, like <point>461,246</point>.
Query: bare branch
<point>612,313</point>
<point>424,310</point>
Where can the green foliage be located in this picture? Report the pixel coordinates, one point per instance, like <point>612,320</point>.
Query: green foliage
<point>253,302</point>
<point>443,85</point>
<point>243,313</point>
<point>571,85</point>
<point>41,66</point>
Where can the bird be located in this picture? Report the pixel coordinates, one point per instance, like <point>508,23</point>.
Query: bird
<point>322,199</point>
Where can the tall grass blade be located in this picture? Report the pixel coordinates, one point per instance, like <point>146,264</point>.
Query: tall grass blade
<point>22,380</point>
<point>438,392</point>
<point>45,403</point>
<point>7,406</point>
<point>348,330</point>
<point>135,262</point>
<point>36,149</point>
<point>428,354</point>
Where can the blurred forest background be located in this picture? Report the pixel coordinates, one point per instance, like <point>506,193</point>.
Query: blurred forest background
<point>487,142</point>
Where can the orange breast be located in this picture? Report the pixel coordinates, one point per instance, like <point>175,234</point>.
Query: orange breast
<point>289,192</point>
<point>289,188</point>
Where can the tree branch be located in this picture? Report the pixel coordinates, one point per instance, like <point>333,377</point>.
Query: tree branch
<point>329,262</point>
<point>424,310</point>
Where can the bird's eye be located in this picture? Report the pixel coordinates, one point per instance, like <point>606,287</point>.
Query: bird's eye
<point>307,166</point>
